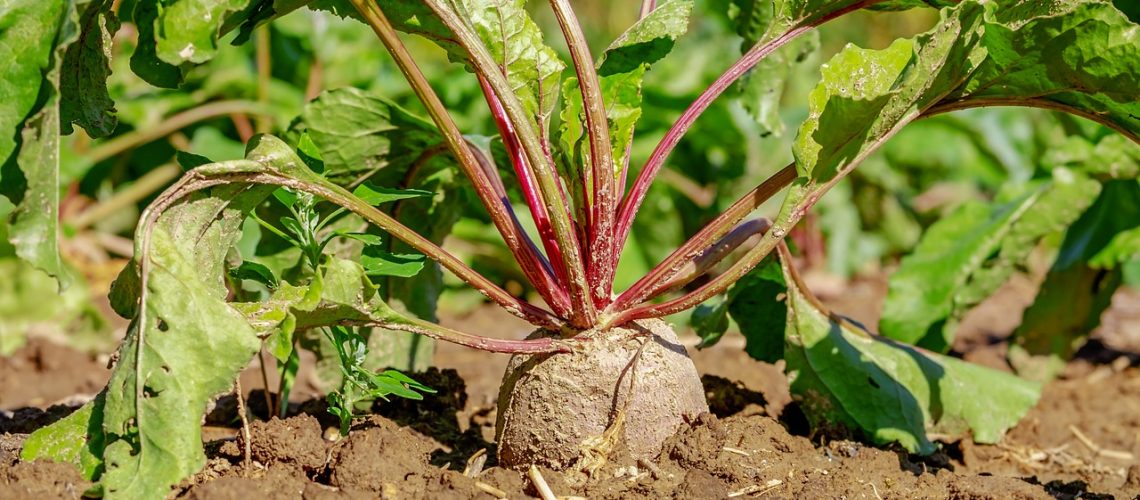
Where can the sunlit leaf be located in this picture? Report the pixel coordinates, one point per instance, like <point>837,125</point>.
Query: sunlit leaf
<point>380,263</point>
<point>890,391</point>
<point>76,439</point>
<point>361,136</point>
<point>621,69</point>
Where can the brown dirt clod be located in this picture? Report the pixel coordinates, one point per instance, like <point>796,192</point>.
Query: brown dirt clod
<point>294,441</point>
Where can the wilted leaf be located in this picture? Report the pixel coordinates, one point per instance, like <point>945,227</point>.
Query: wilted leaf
<point>86,66</point>
<point>186,348</point>
<point>186,345</point>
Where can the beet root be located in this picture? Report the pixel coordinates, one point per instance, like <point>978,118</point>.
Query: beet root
<point>552,405</point>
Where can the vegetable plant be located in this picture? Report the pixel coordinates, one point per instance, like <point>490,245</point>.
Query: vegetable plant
<point>601,366</point>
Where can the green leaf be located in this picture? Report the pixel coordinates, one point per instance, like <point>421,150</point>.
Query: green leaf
<point>857,104</point>
<point>1075,293</point>
<point>1123,247</point>
<point>341,293</point>
<point>76,439</point>
<point>515,42</point>
<point>890,391</point>
<point>33,42</point>
<point>1077,55</point>
<point>86,67</point>
<point>377,195</point>
<point>912,4</point>
<point>188,30</point>
<point>532,68</point>
<point>1022,54</point>
<point>404,379</point>
<point>144,60</point>
<point>648,40</point>
<point>367,239</point>
<point>287,197</point>
<point>177,34</point>
<point>380,263</point>
<point>966,256</point>
<point>621,70</point>
<point>710,322</point>
<point>410,16</point>
<point>1113,156</point>
<point>187,345</point>
<point>311,153</point>
<point>756,303</point>
<point>250,270</point>
<point>362,136</point>
<point>761,91</point>
<point>762,88</point>
<point>27,55</point>
<point>189,161</point>
<point>259,12</point>
<point>760,21</point>
<point>1068,306</point>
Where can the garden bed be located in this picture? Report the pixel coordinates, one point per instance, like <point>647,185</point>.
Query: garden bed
<point>1080,440</point>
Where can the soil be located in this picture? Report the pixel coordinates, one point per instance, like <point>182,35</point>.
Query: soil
<point>1080,441</point>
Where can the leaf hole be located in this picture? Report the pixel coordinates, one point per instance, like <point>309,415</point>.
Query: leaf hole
<point>872,382</point>
<point>162,326</point>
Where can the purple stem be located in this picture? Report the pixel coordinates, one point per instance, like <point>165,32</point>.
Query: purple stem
<point>527,182</point>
